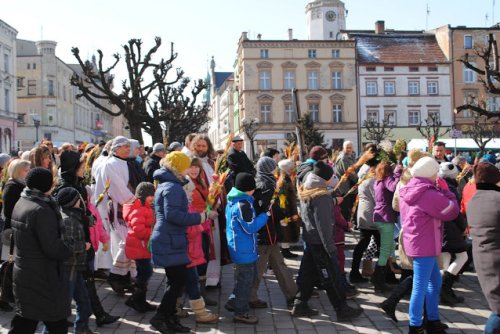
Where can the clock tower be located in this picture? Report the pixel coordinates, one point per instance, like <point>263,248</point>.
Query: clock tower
<point>325,19</point>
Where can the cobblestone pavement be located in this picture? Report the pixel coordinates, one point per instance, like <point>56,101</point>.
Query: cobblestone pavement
<point>469,317</point>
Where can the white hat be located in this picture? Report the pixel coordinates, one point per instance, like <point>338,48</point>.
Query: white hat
<point>118,142</point>
<point>158,147</point>
<point>425,167</point>
<point>286,165</point>
<point>447,170</point>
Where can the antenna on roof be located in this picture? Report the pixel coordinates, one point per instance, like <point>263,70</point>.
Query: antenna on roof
<point>427,13</point>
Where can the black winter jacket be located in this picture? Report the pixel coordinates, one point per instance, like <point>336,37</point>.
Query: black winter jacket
<point>10,195</point>
<point>453,236</point>
<point>152,165</point>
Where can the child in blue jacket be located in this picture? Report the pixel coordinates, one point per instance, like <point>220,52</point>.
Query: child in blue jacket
<point>241,231</point>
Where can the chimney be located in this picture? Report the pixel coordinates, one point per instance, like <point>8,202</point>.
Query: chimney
<point>244,35</point>
<point>379,27</point>
<point>259,36</point>
<point>290,34</point>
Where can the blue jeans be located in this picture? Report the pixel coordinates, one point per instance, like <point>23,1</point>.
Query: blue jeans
<point>244,279</point>
<point>426,286</point>
<point>144,271</point>
<point>493,324</point>
<point>193,284</point>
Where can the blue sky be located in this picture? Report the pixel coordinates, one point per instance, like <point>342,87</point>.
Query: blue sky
<point>201,28</point>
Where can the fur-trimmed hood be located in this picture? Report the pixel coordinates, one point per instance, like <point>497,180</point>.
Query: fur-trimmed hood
<point>313,187</point>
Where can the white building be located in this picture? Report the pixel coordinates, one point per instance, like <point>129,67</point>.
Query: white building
<point>325,19</point>
<point>8,87</point>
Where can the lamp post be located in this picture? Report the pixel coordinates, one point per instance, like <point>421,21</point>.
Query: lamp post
<point>36,123</point>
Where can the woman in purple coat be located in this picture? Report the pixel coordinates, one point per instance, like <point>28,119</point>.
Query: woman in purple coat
<point>425,203</point>
<point>384,218</point>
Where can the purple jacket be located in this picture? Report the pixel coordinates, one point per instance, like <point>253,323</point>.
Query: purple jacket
<point>384,192</point>
<point>423,208</point>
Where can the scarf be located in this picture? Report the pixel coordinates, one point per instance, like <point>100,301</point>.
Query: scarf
<point>34,195</point>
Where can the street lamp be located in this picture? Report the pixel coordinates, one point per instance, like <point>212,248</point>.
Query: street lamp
<point>36,122</point>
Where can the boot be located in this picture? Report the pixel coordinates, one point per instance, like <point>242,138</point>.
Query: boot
<point>174,324</point>
<point>158,322</point>
<point>356,277</point>
<point>447,294</point>
<point>202,315</point>
<point>416,330</point>
<point>180,312</point>
<point>138,300</point>
<point>378,279</point>
<point>395,268</point>
<point>389,305</point>
<point>346,313</point>
<point>101,317</point>
<point>390,276</point>
<point>117,283</point>
<point>367,270</point>
<point>203,291</point>
<point>435,327</point>
<point>302,309</point>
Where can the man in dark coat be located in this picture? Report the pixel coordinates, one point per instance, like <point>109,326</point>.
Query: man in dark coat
<point>483,215</point>
<point>153,162</point>
<point>39,289</point>
<point>237,159</point>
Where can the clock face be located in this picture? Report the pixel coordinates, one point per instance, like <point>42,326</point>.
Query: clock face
<point>330,15</point>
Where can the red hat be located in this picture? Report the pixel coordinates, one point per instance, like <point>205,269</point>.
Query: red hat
<point>318,153</point>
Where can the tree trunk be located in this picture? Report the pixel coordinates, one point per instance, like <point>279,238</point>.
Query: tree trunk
<point>252,150</point>
<point>156,133</point>
<point>136,132</point>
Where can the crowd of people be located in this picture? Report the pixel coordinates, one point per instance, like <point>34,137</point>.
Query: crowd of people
<point>117,210</point>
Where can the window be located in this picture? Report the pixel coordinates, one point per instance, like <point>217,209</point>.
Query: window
<point>432,69</point>
<point>435,114</point>
<point>413,117</point>
<point>311,53</point>
<point>372,116</point>
<point>337,80</point>
<point>265,113</point>
<point>51,88</point>
<point>265,80</point>
<point>28,66</point>
<point>371,88</point>
<point>389,88</point>
<point>468,42</point>
<point>313,80</point>
<point>413,68</point>
<point>20,118</point>
<point>337,113</point>
<point>432,88</point>
<point>314,112</point>
<point>289,80</point>
<point>7,100</point>
<point>47,135</point>
<point>290,113</point>
<point>335,53</point>
<point>370,69</point>
<point>331,34</point>
<point>6,62</point>
<point>390,117</point>
<point>492,104</point>
<point>469,75</point>
<point>388,69</point>
<point>413,88</point>
<point>64,93</point>
<point>264,53</point>
<point>34,66</point>
<point>31,87</point>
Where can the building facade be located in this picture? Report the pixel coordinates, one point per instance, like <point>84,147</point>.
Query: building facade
<point>325,19</point>
<point>455,43</point>
<point>403,79</point>
<point>8,88</point>
<point>323,74</point>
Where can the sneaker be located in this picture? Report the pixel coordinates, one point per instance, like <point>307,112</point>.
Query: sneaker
<point>346,313</point>
<point>258,304</point>
<point>246,319</point>
<point>229,305</point>
<point>287,254</point>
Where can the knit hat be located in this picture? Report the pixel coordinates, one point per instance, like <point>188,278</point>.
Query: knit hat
<point>174,146</point>
<point>244,182</point>
<point>486,158</point>
<point>178,160</point>
<point>323,170</point>
<point>39,178</point>
<point>158,147</point>
<point>425,167</point>
<point>70,161</point>
<point>484,172</point>
<point>414,155</point>
<point>286,165</point>
<point>118,142</point>
<point>318,153</point>
<point>447,170</point>
<point>67,197</point>
<point>144,190</point>
<point>4,158</point>
<point>266,165</point>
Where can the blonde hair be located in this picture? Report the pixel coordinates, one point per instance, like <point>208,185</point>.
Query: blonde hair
<point>16,167</point>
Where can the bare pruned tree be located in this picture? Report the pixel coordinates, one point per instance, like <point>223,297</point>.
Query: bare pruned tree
<point>489,76</point>
<point>432,128</point>
<point>377,131</point>
<point>147,82</point>
<point>250,126</point>
<point>482,132</point>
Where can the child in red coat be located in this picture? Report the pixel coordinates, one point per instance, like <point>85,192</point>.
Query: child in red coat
<point>140,219</point>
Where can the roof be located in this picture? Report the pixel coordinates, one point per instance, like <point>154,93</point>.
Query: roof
<point>26,48</point>
<point>220,77</point>
<point>461,143</point>
<point>403,49</point>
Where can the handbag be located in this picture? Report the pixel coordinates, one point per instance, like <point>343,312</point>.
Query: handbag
<point>6,275</point>
<point>406,262</point>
